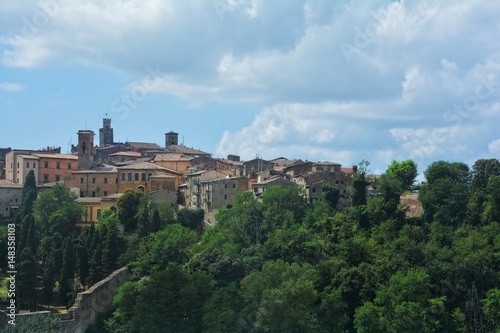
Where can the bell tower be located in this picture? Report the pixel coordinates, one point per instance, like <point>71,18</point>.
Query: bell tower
<point>171,138</point>
<point>106,133</point>
<point>86,150</point>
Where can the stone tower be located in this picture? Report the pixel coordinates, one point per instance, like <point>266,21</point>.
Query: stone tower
<point>106,133</point>
<point>171,138</point>
<point>86,150</point>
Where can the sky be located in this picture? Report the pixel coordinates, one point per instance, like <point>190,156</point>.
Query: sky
<point>320,80</point>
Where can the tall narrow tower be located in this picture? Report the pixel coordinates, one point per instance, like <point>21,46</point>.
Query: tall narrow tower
<point>106,133</point>
<point>86,150</point>
<point>171,138</point>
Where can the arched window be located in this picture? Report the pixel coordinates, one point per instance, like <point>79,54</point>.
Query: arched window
<point>98,213</point>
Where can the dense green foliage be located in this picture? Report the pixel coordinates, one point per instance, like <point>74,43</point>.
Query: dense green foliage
<point>282,265</point>
<point>279,264</point>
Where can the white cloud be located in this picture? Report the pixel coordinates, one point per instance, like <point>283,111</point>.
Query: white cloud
<point>391,94</point>
<point>12,87</point>
<point>494,146</point>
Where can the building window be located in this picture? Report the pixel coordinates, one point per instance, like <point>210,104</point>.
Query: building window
<point>45,178</point>
<point>105,180</point>
<point>136,176</point>
<point>69,166</point>
<point>234,185</point>
<point>341,182</point>
<point>27,164</point>
<point>336,182</point>
<point>34,165</point>
<point>93,180</point>
<point>143,176</point>
<point>314,190</point>
<point>45,164</point>
<point>58,178</point>
<point>81,180</point>
<point>105,193</point>
<point>98,213</point>
<point>129,176</point>
<point>123,176</point>
<point>225,185</point>
<point>93,193</point>
<point>149,176</point>
<point>58,165</point>
<point>82,194</point>
<point>225,196</point>
<point>18,164</point>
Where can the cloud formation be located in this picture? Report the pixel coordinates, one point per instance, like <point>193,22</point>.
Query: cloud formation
<point>338,80</point>
<point>12,87</point>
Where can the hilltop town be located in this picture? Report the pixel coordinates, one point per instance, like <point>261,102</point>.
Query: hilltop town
<point>175,174</point>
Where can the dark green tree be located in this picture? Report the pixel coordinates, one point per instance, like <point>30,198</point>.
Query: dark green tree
<point>405,172</point>
<point>67,275</point>
<point>331,194</point>
<point>481,172</point>
<point>24,216</point>
<point>27,281</point>
<point>445,195</point>
<point>128,207</point>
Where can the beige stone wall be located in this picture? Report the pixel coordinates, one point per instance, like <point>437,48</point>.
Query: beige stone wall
<point>9,196</point>
<point>88,305</point>
<point>179,166</point>
<point>94,184</point>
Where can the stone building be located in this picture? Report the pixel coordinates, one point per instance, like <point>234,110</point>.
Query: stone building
<point>106,133</point>
<point>312,183</point>
<point>261,187</point>
<point>190,191</point>
<point>86,149</point>
<point>281,163</point>
<point>252,167</point>
<point>299,168</point>
<point>10,198</point>
<point>205,162</point>
<point>124,156</point>
<point>139,176</point>
<point>55,167</point>
<point>220,193</point>
<point>99,181</point>
<point>174,161</point>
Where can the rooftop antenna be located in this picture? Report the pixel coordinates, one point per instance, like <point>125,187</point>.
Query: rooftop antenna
<point>182,144</point>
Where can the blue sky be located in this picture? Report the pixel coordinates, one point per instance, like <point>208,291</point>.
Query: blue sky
<point>320,80</point>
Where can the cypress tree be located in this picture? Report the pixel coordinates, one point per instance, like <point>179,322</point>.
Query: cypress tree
<point>25,212</point>
<point>67,271</point>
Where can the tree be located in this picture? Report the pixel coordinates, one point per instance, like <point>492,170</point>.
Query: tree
<point>128,207</point>
<point>281,298</point>
<point>178,297</point>
<point>67,272</point>
<point>24,216</point>
<point>144,223</point>
<point>481,172</point>
<point>27,281</point>
<point>405,305</point>
<point>444,197</point>
<point>56,210</point>
<point>359,184</point>
<point>492,203</point>
<point>171,244</point>
<point>405,172</point>
<point>110,241</point>
<point>331,195</point>
<point>191,218</point>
